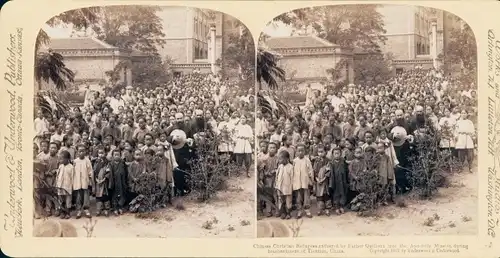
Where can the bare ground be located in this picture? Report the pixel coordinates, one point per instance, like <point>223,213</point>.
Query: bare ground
<point>230,214</point>
<point>453,211</point>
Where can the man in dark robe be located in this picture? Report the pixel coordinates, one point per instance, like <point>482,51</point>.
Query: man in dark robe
<point>199,124</point>
<point>183,156</point>
<point>418,121</point>
<point>181,125</point>
<point>403,150</point>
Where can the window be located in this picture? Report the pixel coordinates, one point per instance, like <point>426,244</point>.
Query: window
<point>399,70</point>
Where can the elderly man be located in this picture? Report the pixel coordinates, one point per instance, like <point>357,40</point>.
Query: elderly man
<point>199,123</point>
<point>180,124</point>
<point>418,121</point>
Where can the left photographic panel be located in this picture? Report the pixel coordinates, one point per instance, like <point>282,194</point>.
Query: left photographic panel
<point>143,121</point>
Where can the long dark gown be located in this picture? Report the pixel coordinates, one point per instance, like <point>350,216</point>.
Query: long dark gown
<point>119,188</point>
<point>402,172</point>
<point>339,184</point>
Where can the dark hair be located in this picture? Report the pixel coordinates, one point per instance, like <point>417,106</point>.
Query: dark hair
<point>272,143</point>
<point>149,152</point>
<point>285,154</point>
<point>65,154</point>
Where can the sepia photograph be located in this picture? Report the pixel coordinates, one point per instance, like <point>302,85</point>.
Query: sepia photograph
<point>366,123</point>
<point>144,124</point>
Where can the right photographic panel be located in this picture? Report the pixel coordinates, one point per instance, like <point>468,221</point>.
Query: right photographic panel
<point>367,123</point>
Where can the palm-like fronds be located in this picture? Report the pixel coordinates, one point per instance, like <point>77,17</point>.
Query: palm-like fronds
<point>49,66</point>
<point>268,70</point>
<point>42,39</point>
<point>50,103</point>
<point>272,104</point>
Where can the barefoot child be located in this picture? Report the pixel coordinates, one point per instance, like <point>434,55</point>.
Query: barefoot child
<point>302,179</point>
<point>269,176</point>
<point>64,183</point>
<point>338,181</point>
<point>164,172</point>
<point>284,188</point>
<point>136,168</point>
<point>385,173</point>
<point>83,173</point>
<point>102,183</point>
<point>119,182</point>
<point>356,168</point>
<point>321,180</point>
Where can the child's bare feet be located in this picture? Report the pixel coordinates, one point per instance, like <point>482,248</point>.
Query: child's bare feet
<point>115,212</point>
<point>327,212</point>
<point>342,211</point>
<point>337,211</point>
<point>106,213</point>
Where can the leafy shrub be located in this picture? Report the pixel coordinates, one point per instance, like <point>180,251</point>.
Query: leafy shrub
<point>430,167</point>
<point>209,170</point>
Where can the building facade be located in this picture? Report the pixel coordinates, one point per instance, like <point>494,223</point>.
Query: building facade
<point>416,35</point>
<point>189,32</point>
<point>91,58</point>
<point>309,58</point>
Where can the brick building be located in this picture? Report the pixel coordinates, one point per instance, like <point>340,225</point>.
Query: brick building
<point>188,42</point>
<point>308,58</point>
<point>417,35</point>
<point>188,37</point>
<point>91,58</point>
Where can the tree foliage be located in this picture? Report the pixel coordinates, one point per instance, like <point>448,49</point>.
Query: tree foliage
<point>150,71</point>
<point>462,48</point>
<point>345,25</point>
<point>372,69</point>
<point>240,52</point>
<point>81,18</point>
<point>49,66</point>
<point>268,70</point>
<point>130,27</point>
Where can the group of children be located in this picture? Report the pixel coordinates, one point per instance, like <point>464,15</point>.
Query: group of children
<point>332,175</point>
<point>329,147</point>
<point>112,146</point>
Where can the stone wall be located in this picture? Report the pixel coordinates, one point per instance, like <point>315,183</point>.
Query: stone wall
<point>307,66</point>
<point>90,67</point>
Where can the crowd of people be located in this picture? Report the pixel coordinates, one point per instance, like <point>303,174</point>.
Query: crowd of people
<point>323,147</point>
<point>101,149</point>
